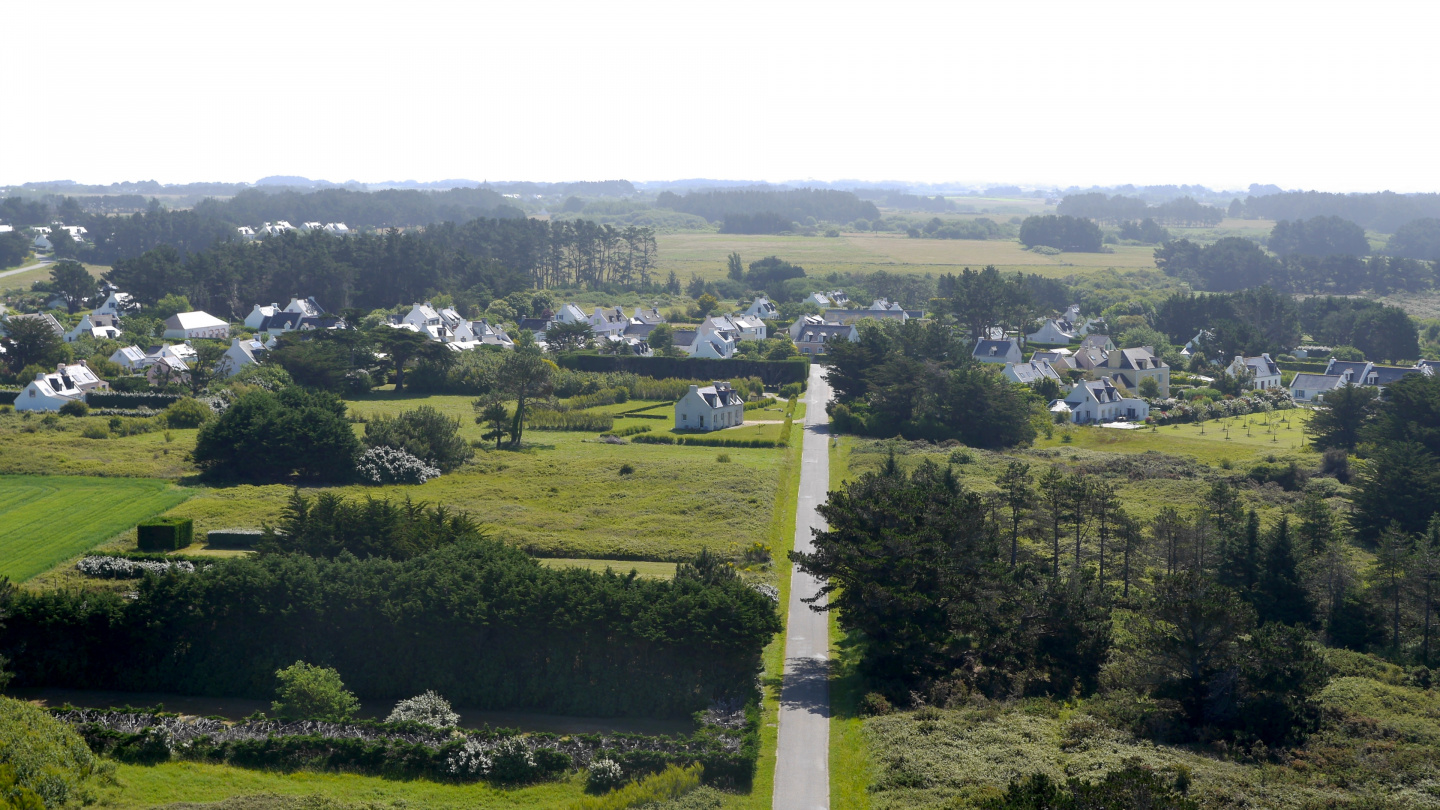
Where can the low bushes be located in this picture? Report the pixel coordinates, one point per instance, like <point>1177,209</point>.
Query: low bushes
<point>670,784</point>
<point>609,396</point>
<point>691,368</point>
<point>75,407</point>
<point>117,399</point>
<point>705,441</point>
<point>188,413</point>
<point>98,567</point>
<point>388,465</point>
<point>632,430</point>
<point>165,534</point>
<point>544,419</point>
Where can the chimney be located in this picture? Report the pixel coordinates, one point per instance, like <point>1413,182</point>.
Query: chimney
<point>694,388</point>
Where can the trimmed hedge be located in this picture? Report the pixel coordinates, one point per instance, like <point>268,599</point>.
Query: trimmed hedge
<point>116,399</point>
<point>584,421</point>
<point>632,430</point>
<point>232,538</point>
<point>771,372</point>
<point>9,397</point>
<point>1297,365</point>
<point>165,534</point>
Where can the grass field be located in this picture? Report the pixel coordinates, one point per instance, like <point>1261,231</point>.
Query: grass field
<point>47,520</point>
<point>705,253</point>
<point>646,569</point>
<point>29,447</point>
<point>22,281</point>
<point>154,786</point>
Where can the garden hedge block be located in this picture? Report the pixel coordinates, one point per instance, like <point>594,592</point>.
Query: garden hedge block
<point>165,534</point>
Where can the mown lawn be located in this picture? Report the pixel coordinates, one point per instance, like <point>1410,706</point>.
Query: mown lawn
<point>1238,439</point>
<point>45,520</point>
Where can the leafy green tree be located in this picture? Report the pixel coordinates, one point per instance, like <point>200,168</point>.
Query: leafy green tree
<point>170,305</point>
<point>1417,239</point>
<point>329,526</point>
<point>661,338</point>
<point>564,337</point>
<point>424,433</point>
<point>62,243</point>
<point>706,304</point>
<point>1280,594</point>
<point>30,342</point>
<point>403,347</point>
<point>493,414</point>
<point>73,283</point>
<point>205,368</point>
<point>1318,236</point>
<point>267,436</point>
<point>14,247</point>
<point>735,269</point>
<point>1062,232</point>
<point>1016,495</point>
<point>524,375</point>
<point>1189,636</point>
<point>308,692</point>
<point>324,359</point>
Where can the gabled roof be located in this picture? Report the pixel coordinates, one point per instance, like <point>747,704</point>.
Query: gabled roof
<point>639,330</point>
<point>1357,368</point>
<point>994,348</point>
<point>1315,382</point>
<point>1140,359</point>
<point>1095,342</point>
<point>823,332</point>
<point>1263,366</point>
<point>130,354</point>
<point>1385,375</point>
<point>684,337</point>
<point>198,319</point>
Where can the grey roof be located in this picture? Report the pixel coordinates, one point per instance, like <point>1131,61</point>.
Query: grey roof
<point>822,333</point>
<point>1263,365</point>
<point>1315,382</point>
<point>993,348</point>
<point>639,330</point>
<point>1339,367</point>
<point>1095,341</point>
<point>1385,375</point>
<point>683,337</point>
<point>1140,359</point>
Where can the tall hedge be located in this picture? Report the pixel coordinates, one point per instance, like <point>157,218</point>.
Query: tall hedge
<point>772,372</point>
<point>478,621</point>
<point>165,534</point>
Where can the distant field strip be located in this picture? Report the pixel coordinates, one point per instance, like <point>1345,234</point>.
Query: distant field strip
<point>45,520</point>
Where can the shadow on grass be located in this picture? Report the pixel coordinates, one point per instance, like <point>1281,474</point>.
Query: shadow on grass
<point>847,686</point>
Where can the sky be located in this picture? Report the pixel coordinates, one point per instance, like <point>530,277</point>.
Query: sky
<point>1316,95</point>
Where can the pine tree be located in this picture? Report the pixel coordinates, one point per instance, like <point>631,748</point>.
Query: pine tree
<point>1052,492</point>
<point>1389,574</point>
<point>1280,596</point>
<point>1240,565</point>
<point>1016,494</point>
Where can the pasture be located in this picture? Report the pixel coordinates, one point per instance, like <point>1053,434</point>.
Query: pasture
<point>46,520</point>
<point>32,445</point>
<point>854,252</point>
<point>22,281</point>
<point>568,494</point>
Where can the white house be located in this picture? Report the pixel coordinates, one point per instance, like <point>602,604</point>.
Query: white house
<point>165,370</point>
<point>308,307</point>
<point>1059,359</point>
<point>648,316</point>
<point>997,351</point>
<point>245,234</point>
<point>102,327</point>
<point>825,300</point>
<point>812,340</point>
<point>337,229</point>
<point>274,228</point>
<point>183,352</point>
<point>1134,366</point>
<point>47,392</point>
<point>482,333</point>
<point>713,407</point>
<point>1054,331</point>
<point>571,314</point>
<point>198,324</point>
<point>258,315</point>
<point>1095,401</point>
<point>750,327</point>
<point>1313,387</point>
<point>805,322</point>
<point>41,243</point>
<point>130,358</point>
<point>1030,373</point>
<point>116,304</point>
<point>1101,342</point>
<point>240,354</point>
<point>763,309</point>
<point>1201,338</point>
<point>424,319</point>
<point>885,305</point>
<point>1267,374</point>
<point>607,323</point>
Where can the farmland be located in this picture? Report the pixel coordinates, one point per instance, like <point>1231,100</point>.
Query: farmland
<point>34,445</point>
<point>46,520</point>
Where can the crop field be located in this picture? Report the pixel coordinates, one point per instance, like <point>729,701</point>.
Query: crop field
<point>46,520</point>
<point>28,446</point>
<point>705,253</point>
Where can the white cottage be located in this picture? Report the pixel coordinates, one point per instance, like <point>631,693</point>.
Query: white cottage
<point>49,391</point>
<point>763,309</point>
<point>713,407</point>
<point>100,327</point>
<point>198,324</point>
<point>1265,371</point>
<point>240,354</point>
<point>1095,401</point>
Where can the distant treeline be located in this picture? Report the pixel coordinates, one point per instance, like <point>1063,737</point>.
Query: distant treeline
<point>1384,211</point>
<point>1234,263</point>
<point>364,209</point>
<point>763,222</point>
<point>1184,212</point>
<point>1061,232</point>
<point>796,204</point>
<point>476,262</point>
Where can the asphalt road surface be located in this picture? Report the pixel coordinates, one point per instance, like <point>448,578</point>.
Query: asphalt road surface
<point>802,761</point>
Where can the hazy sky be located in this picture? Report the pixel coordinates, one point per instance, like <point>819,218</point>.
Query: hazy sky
<point>1334,96</point>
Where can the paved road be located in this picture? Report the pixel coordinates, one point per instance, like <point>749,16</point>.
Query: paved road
<point>18,270</point>
<point>802,761</point>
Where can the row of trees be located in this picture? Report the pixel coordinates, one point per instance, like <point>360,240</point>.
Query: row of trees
<point>1183,212</point>
<point>1234,263</point>
<point>1384,211</point>
<point>477,619</point>
<point>826,205</point>
<point>1318,236</point>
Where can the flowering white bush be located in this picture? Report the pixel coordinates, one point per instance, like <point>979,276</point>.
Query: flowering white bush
<point>469,760</point>
<point>604,775</point>
<point>427,708</point>
<point>387,465</point>
<point>511,760</point>
<point>121,568</point>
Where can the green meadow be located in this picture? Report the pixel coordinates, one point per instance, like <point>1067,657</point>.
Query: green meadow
<point>45,520</point>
